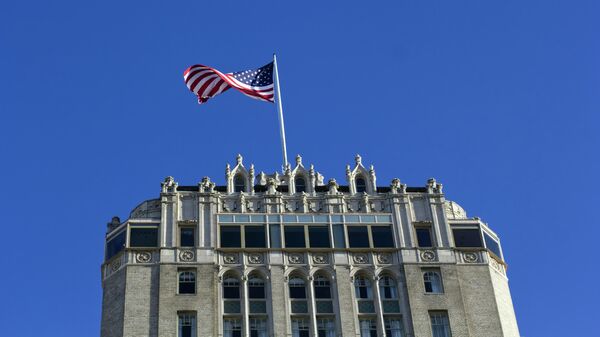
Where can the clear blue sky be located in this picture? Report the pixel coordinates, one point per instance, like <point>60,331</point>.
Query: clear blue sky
<point>496,99</point>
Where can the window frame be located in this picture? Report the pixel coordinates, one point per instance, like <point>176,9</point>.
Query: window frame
<point>431,236</point>
<point>135,226</point>
<point>194,322</point>
<point>179,236</point>
<point>187,270</point>
<point>438,272</point>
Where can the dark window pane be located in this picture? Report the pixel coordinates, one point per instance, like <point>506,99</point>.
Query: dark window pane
<point>187,288</point>
<point>236,333</point>
<point>492,245</point>
<point>358,236</point>
<point>231,292</point>
<point>187,237</point>
<point>300,185</point>
<point>115,245</point>
<point>382,236</point>
<point>360,185</point>
<point>338,236</point>
<point>186,331</point>
<point>297,292</point>
<point>322,292</point>
<point>303,333</point>
<point>256,292</point>
<point>424,237</point>
<point>230,237</point>
<point>255,236</point>
<point>238,183</point>
<point>294,237</point>
<point>467,237</point>
<point>318,236</point>
<point>275,235</point>
<point>143,237</point>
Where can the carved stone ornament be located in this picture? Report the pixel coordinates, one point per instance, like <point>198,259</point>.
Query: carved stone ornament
<point>470,257</point>
<point>296,258</point>
<point>255,258</point>
<point>320,258</point>
<point>143,257</point>
<point>115,265</point>
<point>230,258</point>
<point>428,255</point>
<point>384,258</point>
<point>186,255</point>
<point>360,258</point>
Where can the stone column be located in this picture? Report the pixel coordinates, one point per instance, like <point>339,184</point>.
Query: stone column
<point>312,308</point>
<point>245,307</point>
<point>378,306</point>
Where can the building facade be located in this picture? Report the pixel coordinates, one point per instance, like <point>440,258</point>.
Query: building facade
<point>289,255</point>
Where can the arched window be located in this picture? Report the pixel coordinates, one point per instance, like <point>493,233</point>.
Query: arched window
<point>257,295</point>
<point>389,295</point>
<point>239,185</point>
<point>231,295</point>
<point>433,282</point>
<point>362,286</point>
<point>297,288</point>
<point>187,282</point>
<point>361,185</point>
<point>387,288</point>
<point>324,306</point>
<point>300,184</point>
<point>364,294</point>
<point>323,297</point>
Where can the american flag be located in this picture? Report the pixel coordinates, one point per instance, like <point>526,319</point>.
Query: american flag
<point>207,82</point>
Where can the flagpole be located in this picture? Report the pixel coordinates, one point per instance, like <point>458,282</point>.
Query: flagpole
<point>280,110</point>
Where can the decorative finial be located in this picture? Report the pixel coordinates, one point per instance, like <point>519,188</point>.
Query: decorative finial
<point>358,159</point>
<point>298,160</point>
<point>239,159</point>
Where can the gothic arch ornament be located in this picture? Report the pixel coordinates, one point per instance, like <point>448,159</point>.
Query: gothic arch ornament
<point>260,271</point>
<point>360,171</point>
<point>229,270</point>
<point>300,271</point>
<point>327,271</point>
<point>240,170</point>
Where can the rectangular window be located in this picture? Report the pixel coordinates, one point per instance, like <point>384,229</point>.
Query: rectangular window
<point>492,245</point>
<point>294,237</point>
<point>255,236</point>
<point>358,236</point>
<point>230,237</point>
<point>187,282</point>
<point>325,327</point>
<point>432,279</point>
<point>424,237</point>
<point>368,328</point>
<point>318,236</point>
<point>300,328</point>
<point>467,237</point>
<point>115,245</point>
<point>275,235</point>
<point>338,236</point>
<point>232,328</point>
<point>143,237</point>
<point>394,327</point>
<point>440,325</point>
<point>187,237</point>
<point>187,324</point>
<point>382,236</point>
<point>258,327</point>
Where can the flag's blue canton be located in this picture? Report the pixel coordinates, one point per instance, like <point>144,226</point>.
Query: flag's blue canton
<point>260,77</point>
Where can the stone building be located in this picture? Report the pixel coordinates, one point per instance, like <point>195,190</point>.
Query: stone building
<point>289,255</point>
